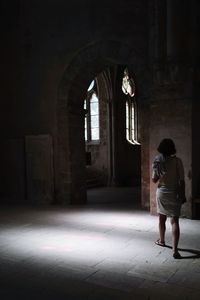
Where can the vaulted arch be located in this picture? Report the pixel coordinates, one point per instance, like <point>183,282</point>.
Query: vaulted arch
<point>69,144</point>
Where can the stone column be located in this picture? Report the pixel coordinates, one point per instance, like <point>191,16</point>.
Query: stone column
<point>160,30</point>
<point>178,23</point>
<point>77,155</point>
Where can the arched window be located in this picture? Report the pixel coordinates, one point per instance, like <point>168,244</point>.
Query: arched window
<point>91,106</point>
<point>128,87</point>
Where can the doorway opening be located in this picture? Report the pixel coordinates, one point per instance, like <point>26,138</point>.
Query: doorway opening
<point>111,131</point>
<point>119,162</point>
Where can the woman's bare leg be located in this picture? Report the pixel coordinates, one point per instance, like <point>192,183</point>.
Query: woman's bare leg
<point>175,233</point>
<point>162,227</point>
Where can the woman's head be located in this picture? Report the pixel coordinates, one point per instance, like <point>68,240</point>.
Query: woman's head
<point>167,147</point>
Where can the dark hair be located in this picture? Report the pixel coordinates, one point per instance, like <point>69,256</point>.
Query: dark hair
<point>167,147</point>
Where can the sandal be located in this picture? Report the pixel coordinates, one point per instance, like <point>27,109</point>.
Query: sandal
<point>176,255</point>
<point>159,243</point>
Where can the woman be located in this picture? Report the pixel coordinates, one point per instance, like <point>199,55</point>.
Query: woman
<point>168,172</point>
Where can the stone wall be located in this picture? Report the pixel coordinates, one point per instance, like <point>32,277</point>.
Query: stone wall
<point>51,51</point>
<point>171,117</point>
<point>40,42</point>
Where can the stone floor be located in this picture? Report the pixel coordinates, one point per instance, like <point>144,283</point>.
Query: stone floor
<point>104,250</point>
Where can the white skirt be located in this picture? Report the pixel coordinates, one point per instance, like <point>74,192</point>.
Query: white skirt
<point>167,203</point>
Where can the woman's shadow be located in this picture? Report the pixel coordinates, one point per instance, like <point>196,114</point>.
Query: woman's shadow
<point>195,253</point>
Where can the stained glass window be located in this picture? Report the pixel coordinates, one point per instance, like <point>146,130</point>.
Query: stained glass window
<point>128,87</point>
<point>91,106</point>
<point>91,86</point>
<point>85,108</point>
<point>94,117</point>
<point>127,121</point>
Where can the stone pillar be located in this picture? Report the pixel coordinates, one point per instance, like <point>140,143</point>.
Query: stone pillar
<point>171,100</point>
<point>61,154</point>
<point>113,142</point>
<point>171,117</point>
<point>173,28</point>
<point>70,168</point>
<point>160,30</point>
<point>144,132</point>
<point>179,35</point>
<point>77,155</point>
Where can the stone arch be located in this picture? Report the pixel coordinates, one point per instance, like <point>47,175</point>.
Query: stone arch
<point>69,151</point>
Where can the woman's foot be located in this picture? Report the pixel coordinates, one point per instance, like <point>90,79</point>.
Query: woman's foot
<point>176,255</point>
<point>160,243</point>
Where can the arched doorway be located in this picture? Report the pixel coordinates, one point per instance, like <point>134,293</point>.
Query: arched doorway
<point>70,145</point>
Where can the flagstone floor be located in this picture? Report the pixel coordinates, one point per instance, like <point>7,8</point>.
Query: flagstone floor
<point>104,250</point>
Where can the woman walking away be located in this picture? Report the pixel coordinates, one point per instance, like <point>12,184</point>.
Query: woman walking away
<point>168,172</point>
